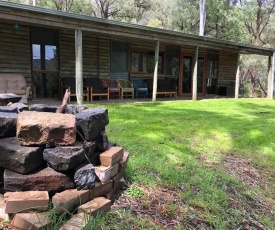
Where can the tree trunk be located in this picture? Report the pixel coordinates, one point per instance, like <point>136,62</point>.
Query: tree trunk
<point>202,17</point>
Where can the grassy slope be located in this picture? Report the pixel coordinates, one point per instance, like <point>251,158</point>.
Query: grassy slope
<point>184,149</point>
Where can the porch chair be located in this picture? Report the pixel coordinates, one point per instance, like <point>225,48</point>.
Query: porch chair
<point>96,88</point>
<point>140,87</point>
<point>114,89</point>
<point>69,83</point>
<point>163,87</point>
<point>126,88</point>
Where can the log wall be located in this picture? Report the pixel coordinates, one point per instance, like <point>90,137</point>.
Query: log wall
<point>15,55</point>
<point>227,68</point>
<point>95,54</point>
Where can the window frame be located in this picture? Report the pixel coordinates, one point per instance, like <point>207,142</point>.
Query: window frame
<point>147,53</point>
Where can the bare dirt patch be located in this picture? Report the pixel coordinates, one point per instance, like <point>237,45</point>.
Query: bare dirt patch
<point>243,170</point>
<point>163,207</point>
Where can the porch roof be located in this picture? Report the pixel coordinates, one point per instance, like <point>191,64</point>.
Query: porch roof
<point>42,17</point>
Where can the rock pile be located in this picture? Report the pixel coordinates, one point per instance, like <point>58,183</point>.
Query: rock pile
<point>63,159</point>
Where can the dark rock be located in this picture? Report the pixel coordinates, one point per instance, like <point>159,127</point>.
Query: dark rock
<point>18,158</point>
<point>44,180</point>
<point>40,128</point>
<point>43,108</point>
<point>20,106</point>
<point>74,109</point>
<point>111,144</point>
<point>63,158</point>
<point>8,124</point>
<point>101,141</point>
<point>91,122</point>
<point>1,175</point>
<point>8,109</point>
<point>84,177</point>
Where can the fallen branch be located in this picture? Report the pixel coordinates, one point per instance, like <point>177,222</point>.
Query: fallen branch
<point>64,102</point>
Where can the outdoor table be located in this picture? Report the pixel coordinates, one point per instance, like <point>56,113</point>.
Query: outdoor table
<point>5,98</point>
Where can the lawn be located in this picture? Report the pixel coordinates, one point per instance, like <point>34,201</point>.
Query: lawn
<point>206,164</point>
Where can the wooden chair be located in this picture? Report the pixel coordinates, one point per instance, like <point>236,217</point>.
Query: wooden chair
<point>126,88</point>
<point>69,83</point>
<point>140,87</point>
<point>163,87</point>
<point>114,89</point>
<point>96,88</point>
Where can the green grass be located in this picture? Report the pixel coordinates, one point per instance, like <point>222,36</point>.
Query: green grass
<point>182,146</point>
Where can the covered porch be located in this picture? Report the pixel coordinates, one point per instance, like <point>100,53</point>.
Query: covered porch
<point>47,46</point>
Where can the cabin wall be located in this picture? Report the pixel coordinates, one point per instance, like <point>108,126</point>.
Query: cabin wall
<point>227,71</point>
<point>95,54</point>
<point>15,55</point>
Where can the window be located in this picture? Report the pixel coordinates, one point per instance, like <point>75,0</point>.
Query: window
<point>144,62</point>
<point>212,72</point>
<point>172,60</point>
<point>119,56</point>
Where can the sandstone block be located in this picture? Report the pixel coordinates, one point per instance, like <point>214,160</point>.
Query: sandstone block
<point>43,108</point>
<point>105,173</point>
<point>69,200</point>
<point>111,156</point>
<point>117,186</point>
<point>32,221</point>
<point>123,162</point>
<point>85,177</point>
<point>101,189</point>
<point>26,201</point>
<point>63,158</point>
<point>91,122</point>
<point>39,128</point>
<point>44,180</point>
<point>21,159</point>
<point>8,124</point>
<point>77,222</point>
<point>99,204</point>
<point>3,215</point>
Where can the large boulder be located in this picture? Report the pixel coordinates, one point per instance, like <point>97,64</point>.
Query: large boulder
<point>8,109</point>
<point>91,122</point>
<point>63,158</point>
<point>74,109</point>
<point>44,180</point>
<point>43,108</point>
<point>39,128</point>
<point>21,159</point>
<point>102,141</point>
<point>8,124</point>
<point>85,177</point>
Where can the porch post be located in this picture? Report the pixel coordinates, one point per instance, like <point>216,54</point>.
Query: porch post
<point>195,76</point>
<point>155,71</point>
<point>237,82</point>
<point>78,66</point>
<point>270,89</point>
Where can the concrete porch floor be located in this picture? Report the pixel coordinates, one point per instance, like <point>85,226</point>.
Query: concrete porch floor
<point>57,101</point>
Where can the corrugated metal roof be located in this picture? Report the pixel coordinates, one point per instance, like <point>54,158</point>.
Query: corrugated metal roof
<point>6,6</point>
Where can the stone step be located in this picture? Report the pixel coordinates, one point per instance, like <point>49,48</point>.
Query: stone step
<point>26,201</point>
<point>111,156</point>
<point>99,204</point>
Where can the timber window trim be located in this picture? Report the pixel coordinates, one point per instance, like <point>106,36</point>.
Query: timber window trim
<point>144,61</point>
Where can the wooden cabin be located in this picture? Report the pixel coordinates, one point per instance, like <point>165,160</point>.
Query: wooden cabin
<point>47,45</point>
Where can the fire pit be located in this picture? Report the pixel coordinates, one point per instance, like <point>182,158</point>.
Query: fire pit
<point>60,151</point>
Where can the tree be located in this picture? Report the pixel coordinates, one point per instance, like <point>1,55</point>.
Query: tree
<point>257,20</point>
<point>202,17</point>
